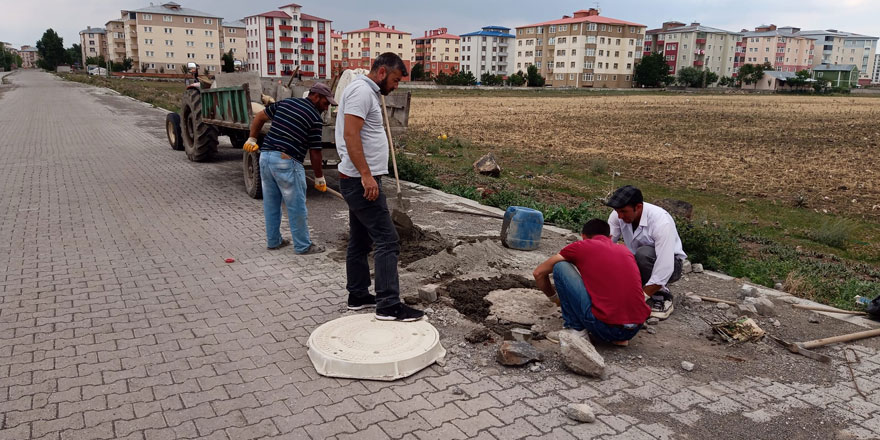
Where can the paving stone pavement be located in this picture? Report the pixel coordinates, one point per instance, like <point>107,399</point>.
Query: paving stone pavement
<point>120,318</point>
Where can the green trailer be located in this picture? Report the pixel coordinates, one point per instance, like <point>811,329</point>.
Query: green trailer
<point>208,113</point>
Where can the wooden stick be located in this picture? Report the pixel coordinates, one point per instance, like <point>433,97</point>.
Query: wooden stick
<point>826,309</point>
<point>478,214</point>
<point>716,300</point>
<point>842,338</point>
<point>390,141</point>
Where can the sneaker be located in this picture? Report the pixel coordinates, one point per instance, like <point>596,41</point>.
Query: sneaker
<point>399,312</point>
<point>284,243</point>
<point>360,303</point>
<point>313,249</point>
<point>661,305</point>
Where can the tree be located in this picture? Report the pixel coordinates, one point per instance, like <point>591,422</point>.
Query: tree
<point>228,62</point>
<point>51,50</point>
<point>517,79</point>
<point>96,61</point>
<point>7,59</point>
<point>800,79</point>
<point>533,78</point>
<point>752,73</point>
<point>74,54</point>
<point>487,79</point>
<point>651,71</point>
<point>418,72</point>
<point>456,79</point>
<point>127,63</point>
<point>711,78</point>
<point>690,77</point>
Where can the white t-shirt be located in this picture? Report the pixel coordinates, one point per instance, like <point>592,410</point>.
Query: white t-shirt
<point>361,99</point>
<point>656,229</point>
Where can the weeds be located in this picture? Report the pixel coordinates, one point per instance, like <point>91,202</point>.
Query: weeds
<point>833,233</point>
<point>599,166</point>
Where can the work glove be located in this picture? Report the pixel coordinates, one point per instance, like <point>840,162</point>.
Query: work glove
<point>251,145</point>
<point>321,184</point>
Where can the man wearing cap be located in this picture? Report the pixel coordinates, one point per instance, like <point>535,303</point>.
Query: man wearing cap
<point>650,234</point>
<point>296,128</point>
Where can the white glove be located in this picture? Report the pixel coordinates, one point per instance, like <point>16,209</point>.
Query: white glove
<point>251,145</point>
<point>321,184</point>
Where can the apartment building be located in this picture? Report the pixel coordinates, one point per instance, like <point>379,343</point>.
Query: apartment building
<point>29,57</point>
<point>784,48</point>
<point>702,47</point>
<point>338,52</point>
<point>164,38</point>
<point>315,43</point>
<point>438,52</point>
<point>875,77</point>
<point>487,51</point>
<point>232,37</point>
<point>365,45</point>
<point>93,43</point>
<point>839,47</point>
<point>115,35</point>
<point>279,42</point>
<point>583,50</point>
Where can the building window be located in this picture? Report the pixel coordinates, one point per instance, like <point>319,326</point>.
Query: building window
<point>187,19</point>
<point>209,21</point>
<point>168,30</point>
<point>166,18</point>
<point>588,77</point>
<point>146,16</point>
<point>148,29</point>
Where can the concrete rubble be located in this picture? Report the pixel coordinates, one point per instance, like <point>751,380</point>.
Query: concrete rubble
<point>487,166</point>
<point>517,353</point>
<point>580,412</point>
<point>580,355</point>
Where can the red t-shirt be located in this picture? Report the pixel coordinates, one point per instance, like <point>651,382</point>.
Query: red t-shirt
<point>612,279</point>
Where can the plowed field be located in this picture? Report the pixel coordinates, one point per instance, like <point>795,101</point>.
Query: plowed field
<point>781,148</point>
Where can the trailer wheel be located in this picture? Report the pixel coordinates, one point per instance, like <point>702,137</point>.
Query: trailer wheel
<point>172,129</point>
<point>199,138</point>
<point>251,167</point>
<point>238,138</point>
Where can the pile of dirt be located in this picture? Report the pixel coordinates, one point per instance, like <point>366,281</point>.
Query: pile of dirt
<point>417,245</point>
<point>470,295</point>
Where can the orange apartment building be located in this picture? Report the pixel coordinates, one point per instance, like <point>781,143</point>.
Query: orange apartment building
<point>115,34</point>
<point>582,50</point>
<point>338,52</point>
<point>365,45</point>
<point>93,42</point>
<point>438,52</point>
<point>784,48</point>
<point>232,37</point>
<point>698,46</point>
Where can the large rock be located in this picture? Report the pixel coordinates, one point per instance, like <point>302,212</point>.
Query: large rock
<point>522,306</point>
<point>428,292</point>
<point>677,208</point>
<point>517,353</point>
<point>488,165</point>
<point>580,412</point>
<point>580,355</point>
<point>763,305</point>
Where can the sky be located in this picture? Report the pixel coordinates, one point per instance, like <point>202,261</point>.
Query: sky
<point>23,22</point>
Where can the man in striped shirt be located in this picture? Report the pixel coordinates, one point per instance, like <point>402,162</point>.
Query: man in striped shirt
<point>296,128</point>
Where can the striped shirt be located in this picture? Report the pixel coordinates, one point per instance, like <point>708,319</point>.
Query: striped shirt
<point>296,128</point>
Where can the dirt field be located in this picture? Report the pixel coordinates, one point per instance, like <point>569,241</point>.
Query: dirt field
<point>823,149</point>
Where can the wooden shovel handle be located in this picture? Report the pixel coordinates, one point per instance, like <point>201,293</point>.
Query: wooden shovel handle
<point>826,309</point>
<point>842,338</point>
<point>390,141</point>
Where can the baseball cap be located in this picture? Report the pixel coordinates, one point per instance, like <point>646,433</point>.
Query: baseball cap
<point>625,196</point>
<point>323,90</point>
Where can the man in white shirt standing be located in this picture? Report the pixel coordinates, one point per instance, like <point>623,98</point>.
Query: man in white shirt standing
<point>362,144</point>
<point>650,234</point>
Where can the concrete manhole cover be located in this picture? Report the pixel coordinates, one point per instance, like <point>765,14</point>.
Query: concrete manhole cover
<point>362,347</point>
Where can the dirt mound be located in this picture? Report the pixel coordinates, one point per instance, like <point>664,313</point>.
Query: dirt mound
<point>470,295</point>
<point>418,244</point>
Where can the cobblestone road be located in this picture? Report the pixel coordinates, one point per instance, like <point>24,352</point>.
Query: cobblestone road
<point>120,319</point>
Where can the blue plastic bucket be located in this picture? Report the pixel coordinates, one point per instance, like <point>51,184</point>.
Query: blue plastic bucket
<point>522,228</point>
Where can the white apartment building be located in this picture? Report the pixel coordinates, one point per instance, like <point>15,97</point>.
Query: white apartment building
<point>698,46</point>
<point>839,47</point>
<point>93,42</point>
<point>164,38</point>
<point>487,51</point>
<point>279,42</point>
<point>875,78</point>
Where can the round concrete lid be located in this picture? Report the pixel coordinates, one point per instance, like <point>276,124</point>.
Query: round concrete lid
<point>362,347</point>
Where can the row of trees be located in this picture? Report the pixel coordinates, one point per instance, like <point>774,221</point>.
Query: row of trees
<point>653,71</point>
<point>8,60</point>
<point>531,78</point>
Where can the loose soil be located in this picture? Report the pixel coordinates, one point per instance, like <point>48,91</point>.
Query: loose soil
<point>418,244</point>
<point>470,295</point>
<point>776,147</point>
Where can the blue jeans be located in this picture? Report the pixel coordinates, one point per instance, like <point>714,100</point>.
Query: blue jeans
<point>284,180</point>
<point>370,224</point>
<point>577,307</point>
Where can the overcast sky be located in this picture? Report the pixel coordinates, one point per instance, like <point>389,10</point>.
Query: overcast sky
<point>23,22</point>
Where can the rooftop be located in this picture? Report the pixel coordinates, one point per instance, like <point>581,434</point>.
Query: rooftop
<point>584,16</point>
<point>835,67</point>
<point>272,14</point>
<point>312,17</point>
<point>375,26</point>
<point>172,8</point>
<point>693,27</point>
<point>93,30</point>
<point>234,24</point>
<point>490,31</point>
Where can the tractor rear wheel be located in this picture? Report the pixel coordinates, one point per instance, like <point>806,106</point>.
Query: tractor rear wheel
<point>172,129</point>
<point>199,138</point>
<point>251,167</point>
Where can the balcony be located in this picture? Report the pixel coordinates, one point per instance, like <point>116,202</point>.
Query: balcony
<point>701,41</point>
<point>365,40</point>
<point>307,52</point>
<point>307,62</point>
<point>699,52</point>
<point>698,63</point>
<point>307,73</point>
<point>285,28</point>
<point>308,40</point>
<point>288,39</point>
<point>283,61</point>
<point>778,45</point>
<point>307,29</point>
<point>286,50</point>
<point>740,44</point>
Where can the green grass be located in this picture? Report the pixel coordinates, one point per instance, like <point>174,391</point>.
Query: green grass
<point>822,257</point>
<point>164,94</point>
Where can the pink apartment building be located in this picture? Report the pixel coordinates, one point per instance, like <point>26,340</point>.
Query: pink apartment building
<point>783,48</point>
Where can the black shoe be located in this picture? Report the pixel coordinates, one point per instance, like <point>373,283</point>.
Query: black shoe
<point>361,302</point>
<point>399,312</point>
<point>284,243</point>
<point>313,249</point>
<point>661,305</point>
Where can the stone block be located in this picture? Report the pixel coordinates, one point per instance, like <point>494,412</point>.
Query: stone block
<point>579,355</point>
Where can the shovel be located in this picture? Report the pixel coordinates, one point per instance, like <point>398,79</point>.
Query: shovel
<point>803,348</point>
<point>398,214</point>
